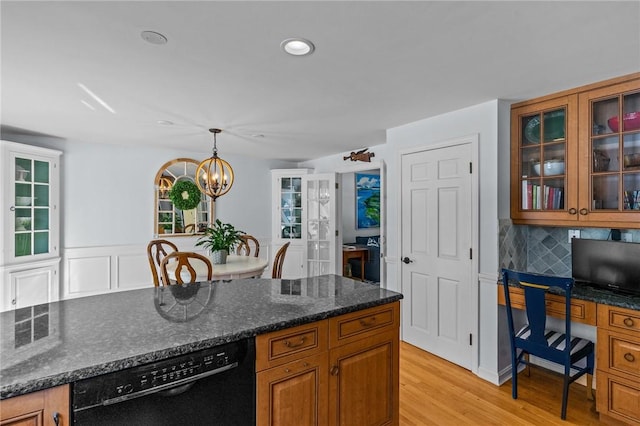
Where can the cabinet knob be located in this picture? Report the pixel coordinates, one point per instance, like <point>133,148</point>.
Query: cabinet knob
<point>584,211</point>
<point>629,357</point>
<point>628,322</point>
<point>573,211</point>
<point>13,301</point>
<point>56,418</point>
<point>334,370</point>
<point>12,208</point>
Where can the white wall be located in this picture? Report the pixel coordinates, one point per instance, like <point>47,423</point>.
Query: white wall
<point>107,191</point>
<point>480,119</point>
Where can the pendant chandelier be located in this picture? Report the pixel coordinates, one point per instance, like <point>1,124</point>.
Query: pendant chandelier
<point>214,176</point>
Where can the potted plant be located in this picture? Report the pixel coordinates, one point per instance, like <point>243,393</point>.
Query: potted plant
<point>220,239</point>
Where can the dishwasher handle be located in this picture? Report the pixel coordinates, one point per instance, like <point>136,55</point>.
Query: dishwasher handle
<point>169,389</point>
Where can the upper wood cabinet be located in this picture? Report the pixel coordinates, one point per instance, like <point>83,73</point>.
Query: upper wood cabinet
<point>574,162</point>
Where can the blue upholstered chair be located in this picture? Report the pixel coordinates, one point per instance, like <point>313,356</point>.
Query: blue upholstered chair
<point>535,339</point>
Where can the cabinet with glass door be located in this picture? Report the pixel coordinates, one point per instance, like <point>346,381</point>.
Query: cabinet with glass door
<point>287,224</point>
<point>543,160</point>
<point>30,218</point>
<point>610,150</point>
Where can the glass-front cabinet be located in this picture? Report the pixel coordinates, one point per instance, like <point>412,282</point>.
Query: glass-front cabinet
<point>575,157</point>
<point>543,160</point>
<point>611,143</point>
<point>30,225</point>
<point>291,207</point>
<point>287,224</point>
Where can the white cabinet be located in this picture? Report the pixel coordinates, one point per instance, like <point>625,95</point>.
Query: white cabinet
<point>286,225</point>
<point>29,248</point>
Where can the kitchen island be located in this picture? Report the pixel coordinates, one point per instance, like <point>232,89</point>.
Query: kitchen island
<point>64,342</point>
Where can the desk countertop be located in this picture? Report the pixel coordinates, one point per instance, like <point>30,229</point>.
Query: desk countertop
<point>62,342</point>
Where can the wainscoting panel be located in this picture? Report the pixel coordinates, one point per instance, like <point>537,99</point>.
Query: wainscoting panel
<point>89,271</point>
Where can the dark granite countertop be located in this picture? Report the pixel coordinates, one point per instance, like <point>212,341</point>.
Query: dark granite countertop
<point>603,296</point>
<point>57,343</point>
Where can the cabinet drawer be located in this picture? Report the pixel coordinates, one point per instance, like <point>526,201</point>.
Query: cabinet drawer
<point>583,311</point>
<point>362,324</point>
<point>618,353</point>
<point>619,319</point>
<point>621,397</point>
<point>280,347</point>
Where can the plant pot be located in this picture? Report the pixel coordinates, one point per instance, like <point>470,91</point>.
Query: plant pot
<point>219,257</point>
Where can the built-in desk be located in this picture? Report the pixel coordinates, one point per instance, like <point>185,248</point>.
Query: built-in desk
<point>617,318</point>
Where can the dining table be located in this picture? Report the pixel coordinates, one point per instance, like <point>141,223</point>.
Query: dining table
<point>236,267</point>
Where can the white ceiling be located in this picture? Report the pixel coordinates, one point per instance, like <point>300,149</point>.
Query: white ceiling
<point>377,65</point>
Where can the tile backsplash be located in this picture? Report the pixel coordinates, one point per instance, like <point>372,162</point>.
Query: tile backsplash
<point>542,249</point>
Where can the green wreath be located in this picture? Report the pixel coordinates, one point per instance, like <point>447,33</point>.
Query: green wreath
<point>185,195</point>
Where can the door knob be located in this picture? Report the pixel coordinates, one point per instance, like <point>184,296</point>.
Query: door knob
<point>407,260</point>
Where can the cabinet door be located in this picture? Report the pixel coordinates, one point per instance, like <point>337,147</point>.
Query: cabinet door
<point>294,393</point>
<point>544,160</point>
<point>319,223</point>
<point>32,287</point>
<point>37,408</point>
<point>288,223</point>
<point>610,154</point>
<point>363,386</point>
<point>33,194</point>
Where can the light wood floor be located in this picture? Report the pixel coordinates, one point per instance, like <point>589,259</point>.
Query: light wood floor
<point>436,392</point>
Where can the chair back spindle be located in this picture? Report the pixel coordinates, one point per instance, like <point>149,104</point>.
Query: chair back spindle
<point>278,261</point>
<point>156,251</point>
<point>184,267</point>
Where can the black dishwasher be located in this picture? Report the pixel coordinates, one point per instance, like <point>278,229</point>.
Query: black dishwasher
<point>214,386</point>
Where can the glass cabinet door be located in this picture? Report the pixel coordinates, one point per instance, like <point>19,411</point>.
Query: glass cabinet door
<point>543,148</point>
<point>614,140</point>
<point>31,205</point>
<point>291,208</point>
<point>614,151</point>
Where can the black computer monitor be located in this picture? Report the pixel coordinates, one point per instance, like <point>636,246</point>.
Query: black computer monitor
<point>613,265</point>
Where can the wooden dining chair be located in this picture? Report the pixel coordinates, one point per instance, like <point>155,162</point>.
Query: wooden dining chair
<point>184,267</point>
<point>535,338</point>
<point>156,251</point>
<point>244,248</point>
<point>190,228</point>
<point>278,261</point>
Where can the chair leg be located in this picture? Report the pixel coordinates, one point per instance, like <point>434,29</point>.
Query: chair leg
<point>514,376</point>
<point>565,396</point>
<point>528,366</point>
<point>590,387</point>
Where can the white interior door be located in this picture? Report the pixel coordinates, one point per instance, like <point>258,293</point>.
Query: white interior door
<point>436,251</point>
<point>319,221</point>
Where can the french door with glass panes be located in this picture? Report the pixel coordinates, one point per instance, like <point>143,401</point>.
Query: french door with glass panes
<point>319,223</point>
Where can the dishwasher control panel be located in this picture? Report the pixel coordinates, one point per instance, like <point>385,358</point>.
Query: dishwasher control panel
<point>154,377</point>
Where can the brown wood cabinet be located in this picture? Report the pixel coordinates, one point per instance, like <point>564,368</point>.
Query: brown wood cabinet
<point>37,408</point>
<point>342,371</point>
<point>618,365</point>
<point>574,162</point>
<point>583,311</point>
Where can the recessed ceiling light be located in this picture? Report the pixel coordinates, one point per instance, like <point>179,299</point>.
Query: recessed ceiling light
<point>165,122</point>
<point>257,135</point>
<point>297,46</point>
<point>153,37</point>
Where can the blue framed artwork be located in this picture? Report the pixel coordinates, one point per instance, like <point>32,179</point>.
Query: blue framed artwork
<point>367,200</point>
